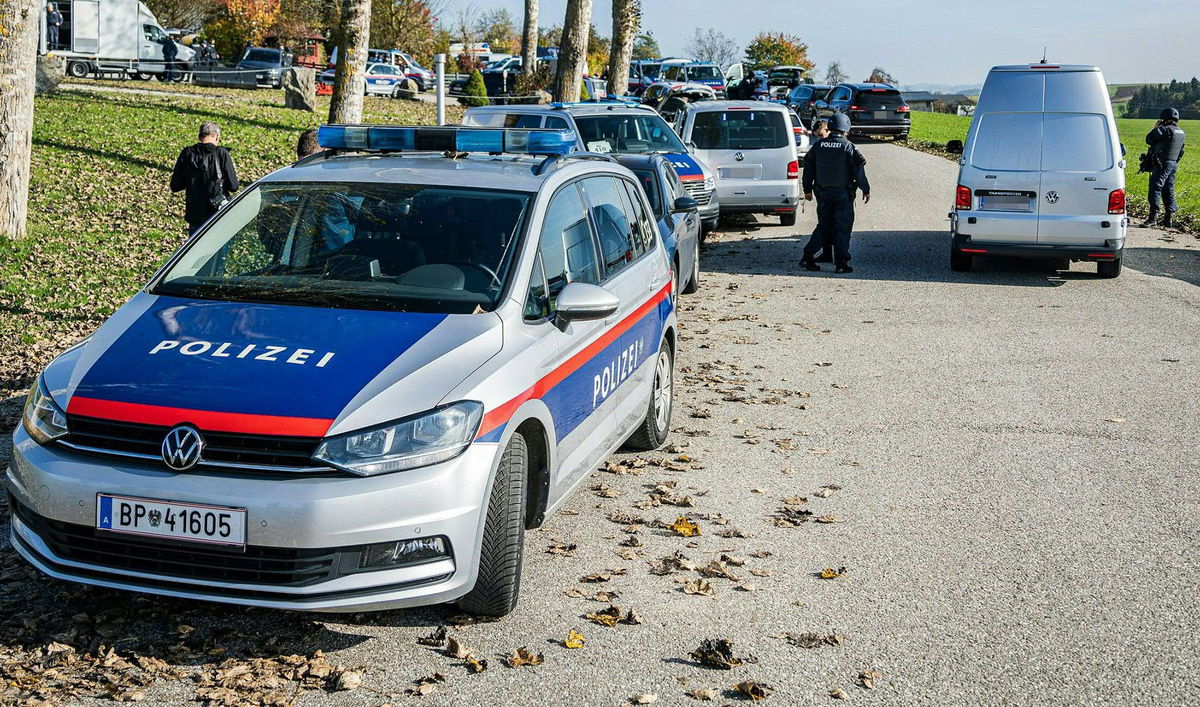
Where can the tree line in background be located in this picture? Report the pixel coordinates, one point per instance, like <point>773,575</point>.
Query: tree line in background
<point>1149,100</point>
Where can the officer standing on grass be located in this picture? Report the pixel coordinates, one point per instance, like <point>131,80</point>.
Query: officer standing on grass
<point>1166,148</point>
<point>835,169</point>
<point>204,172</point>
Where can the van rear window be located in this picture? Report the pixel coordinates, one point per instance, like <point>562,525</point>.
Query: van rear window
<point>1008,141</point>
<point>740,130</point>
<point>1076,142</point>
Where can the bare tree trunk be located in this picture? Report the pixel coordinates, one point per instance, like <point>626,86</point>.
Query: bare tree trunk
<point>529,38</point>
<point>572,53</point>
<point>627,17</point>
<point>18,59</point>
<point>349,81</point>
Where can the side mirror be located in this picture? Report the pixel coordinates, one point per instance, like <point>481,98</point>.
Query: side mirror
<point>954,147</point>
<point>580,301</point>
<point>691,146</point>
<point>684,204</point>
<point>1122,149</point>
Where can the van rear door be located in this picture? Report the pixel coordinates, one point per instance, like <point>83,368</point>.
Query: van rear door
<point>1002,172</point>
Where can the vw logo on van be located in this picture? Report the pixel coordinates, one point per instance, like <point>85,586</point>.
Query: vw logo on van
<point>1052,197</point>
<point>181,448</point>
<point>738,156</point>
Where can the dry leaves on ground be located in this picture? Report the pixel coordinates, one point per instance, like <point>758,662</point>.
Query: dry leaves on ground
<point>524,656</point>
<point>831,573</point>
<point>686,528</point>
<point>868,678</point>
<point>753,690</point>
<point>574,640</point>
<point>718,653</point>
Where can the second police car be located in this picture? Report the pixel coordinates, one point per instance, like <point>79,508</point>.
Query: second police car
<point>361,382</point>
<point>614,126</point>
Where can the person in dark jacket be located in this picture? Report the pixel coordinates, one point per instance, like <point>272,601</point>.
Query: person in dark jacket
<point>54,20</point>
<point>206,175</point>
<point>834,170</point>
<point>170,51</point>
<point>1166,142</point>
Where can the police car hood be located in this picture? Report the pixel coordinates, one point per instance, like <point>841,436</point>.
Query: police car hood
<point>268,368</point>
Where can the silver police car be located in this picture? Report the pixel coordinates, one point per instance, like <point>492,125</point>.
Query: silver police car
<point>361,382</point>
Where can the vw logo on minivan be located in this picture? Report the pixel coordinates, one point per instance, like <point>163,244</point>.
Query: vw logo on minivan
<point>181,448</point>
<point>738,156</point>
<point>1052,197</point>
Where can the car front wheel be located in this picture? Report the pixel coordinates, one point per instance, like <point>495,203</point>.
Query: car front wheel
<point>500,558</point>
<point>652,432</point>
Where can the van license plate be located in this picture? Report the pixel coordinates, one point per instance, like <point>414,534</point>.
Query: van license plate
<point>172,520</point>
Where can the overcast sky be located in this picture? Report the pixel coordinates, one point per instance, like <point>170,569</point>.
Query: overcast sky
<point>934,41</point>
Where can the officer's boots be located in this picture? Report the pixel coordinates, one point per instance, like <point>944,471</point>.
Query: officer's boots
<point>1151,220</point>
<point>1167,219</point>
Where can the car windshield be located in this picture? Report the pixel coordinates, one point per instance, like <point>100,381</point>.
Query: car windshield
<point>704,72</point>
<point>636,134</point>
<point>267,56</point>
<point>651,69</point>
<point>441,249</point>
<point>740,130</point>
<point>650,186</point>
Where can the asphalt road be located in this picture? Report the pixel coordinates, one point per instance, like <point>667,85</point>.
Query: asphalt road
<point>1017,454</point>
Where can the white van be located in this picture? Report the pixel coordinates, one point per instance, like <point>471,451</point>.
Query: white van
<point>751,147</point>
<point>1043,171</point>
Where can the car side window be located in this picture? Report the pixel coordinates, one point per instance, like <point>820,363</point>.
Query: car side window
<point>610,214</point>
<point>644,229</point>
<point>554,122</point>
<point>522,120</point>
<point>537,302</point>
<point>566,247</point>
<point>674,185</point>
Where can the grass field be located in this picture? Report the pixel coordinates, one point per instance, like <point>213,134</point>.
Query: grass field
<point>934,130</point>
<point>101,216</point>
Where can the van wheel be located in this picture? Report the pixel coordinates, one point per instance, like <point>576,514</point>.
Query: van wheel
<point>653,431</point>
<point>960,262</point>
<point>1109,268</point>
<point>693,283</point>
<point>499,581</point>
<point>788,219</point>
<point>77,69</point>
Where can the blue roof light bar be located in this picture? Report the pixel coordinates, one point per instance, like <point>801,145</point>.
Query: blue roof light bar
<point>398,138</point>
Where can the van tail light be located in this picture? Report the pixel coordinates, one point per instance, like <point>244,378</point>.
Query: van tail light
<point>962,199</point>
<point>793,170</point>
<point>902,109</point>
<point>1116,201</point>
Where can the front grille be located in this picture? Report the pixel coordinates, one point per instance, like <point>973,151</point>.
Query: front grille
<point>699,190</point>
<point>290,567</point>
<point>263,451</point>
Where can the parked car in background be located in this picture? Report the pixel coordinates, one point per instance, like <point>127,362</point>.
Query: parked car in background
<point>642,75</point>
<point>802,98</point>
<point>1042,172</point>
<point>669,98</point>
<point>873,108</point>
<point>695,72</point>
<point>676,214</point>
<point>381,80</point>
<point>787,77</point>
<point>799,133</point>
<point>751,147</point>
<point>613,127</point>
<point>268,64</point>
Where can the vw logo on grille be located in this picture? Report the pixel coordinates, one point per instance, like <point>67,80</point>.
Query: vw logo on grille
<point>181,448</point>
<point>1052,197</point>
<point>738,156</point>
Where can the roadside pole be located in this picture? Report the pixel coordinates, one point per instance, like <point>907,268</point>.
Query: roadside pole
<point>439,64</point>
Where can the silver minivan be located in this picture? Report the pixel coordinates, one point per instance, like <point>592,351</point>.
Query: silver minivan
<point>1042,172</point>
<point>750,145</point>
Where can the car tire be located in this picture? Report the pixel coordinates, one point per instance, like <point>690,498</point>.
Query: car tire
<point>693,283</point>
<point>902,137</point>
<point>500,557</point>
<point>960,262</point>
<point>1109,268</point>
<point>788,219</point>
<point>653,430</point>
<point>77,70</point>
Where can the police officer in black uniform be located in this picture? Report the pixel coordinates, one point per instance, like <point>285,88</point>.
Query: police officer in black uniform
<point>1166,149</point>
<point>836,170</point>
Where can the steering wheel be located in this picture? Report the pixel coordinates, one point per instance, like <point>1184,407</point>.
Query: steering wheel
<point>479,266</point>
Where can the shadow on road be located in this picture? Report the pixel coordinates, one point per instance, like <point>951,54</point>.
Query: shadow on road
<point>1178,263</point>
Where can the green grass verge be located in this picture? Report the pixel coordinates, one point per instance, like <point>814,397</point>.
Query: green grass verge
<point>101,216</point>
<point>931,132</point>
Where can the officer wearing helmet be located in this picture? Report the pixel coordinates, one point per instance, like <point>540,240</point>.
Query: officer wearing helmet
<point>1166,149</point>
<point>834,170</point>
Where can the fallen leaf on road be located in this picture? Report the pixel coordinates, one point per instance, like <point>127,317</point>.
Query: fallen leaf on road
<point>632,618</point>
<point>811,640</point>
<point>455,649</point>
<point>575,593</point>
<point>838,694</point>
<point>686,528</point>
<point>826,491</point>
<point>574,639</point>
<point>830,519</point>
<point>524,656</point>
<point>754,690</point>
<point>348,680</point>
<point>702,693</point>
<point>762,573</point>
<point>795,500</point>
<point>717,568</point>
<point>437,638</point>
<point>831,573</point>
<point>605,596</point>
<point>840,386</point>
<point>671,563</point>
<point>425,685</point>
<point>823,364</point>
<point>643,699</point>
<point>561,548</point>
<point>699,586</point>
<point>746,586</point>
<point>605,617</point>
<point>819,450</point>
<point>868,678</point>
<point>716,653</point>
<point>595,578</point>
<point>1115,419</point>
<point>476,665</point>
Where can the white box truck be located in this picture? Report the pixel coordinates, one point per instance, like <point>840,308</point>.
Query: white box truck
<point>118,36</point>
<point>1042,172</point>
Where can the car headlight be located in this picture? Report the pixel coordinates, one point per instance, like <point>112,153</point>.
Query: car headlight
<point>429,438</point>
<point>44,420</point>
